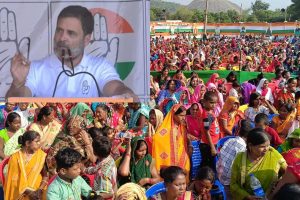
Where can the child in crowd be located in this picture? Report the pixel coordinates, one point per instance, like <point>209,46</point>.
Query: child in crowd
<point>105,170</point>
<point>116,149</point>
<point>203,183</point>
<point>210,127</point>
<point>68,184</point>
<point>261,121</point>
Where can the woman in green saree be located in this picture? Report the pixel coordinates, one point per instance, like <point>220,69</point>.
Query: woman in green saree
<point>10,134</point>
<point>260,159</point>
<point>137,165</point>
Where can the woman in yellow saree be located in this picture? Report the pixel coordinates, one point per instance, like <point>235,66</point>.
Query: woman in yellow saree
<point>285,122</point>
<point>25,168</point>
<point>46,126</point>
<point>170,143</point>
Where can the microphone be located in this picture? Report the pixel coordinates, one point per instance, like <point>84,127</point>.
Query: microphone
<point>71,60</point>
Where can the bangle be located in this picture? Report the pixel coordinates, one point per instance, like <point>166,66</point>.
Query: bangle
<point>150,181</point>
<point>127,154</point>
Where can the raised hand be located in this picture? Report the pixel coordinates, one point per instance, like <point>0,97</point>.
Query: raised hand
<point>9,46</point>
<point>100,45</point>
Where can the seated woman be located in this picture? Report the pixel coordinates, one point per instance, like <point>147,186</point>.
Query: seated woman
<point>292,141</point>
<point>175,182</point>
<point>26,175</point>
<point>193,122</point>
<point>285,121</point>
<point>10,134</point>
<point>137,165</point>
<point>73,136</point>
<point>257,105</point>
<point>84,111</point>
<point>101,116</point>
<point>156,118</point>
<point>264,90</point>
<point>46,126</point>
<point>171,91</point>
<point>131,191</point>
<point>261,160</point>
<point>203,183</point>
<point>230,115</point>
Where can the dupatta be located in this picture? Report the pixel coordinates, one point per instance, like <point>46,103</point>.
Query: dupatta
<point>22,176</point>
<point>170,144</point>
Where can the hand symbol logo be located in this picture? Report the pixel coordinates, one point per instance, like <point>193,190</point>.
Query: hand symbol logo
<point>100,44</point>
<point>9,44</point>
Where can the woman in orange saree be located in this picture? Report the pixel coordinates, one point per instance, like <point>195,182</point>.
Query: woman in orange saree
<point>25,168</point>
<point>170,144</point>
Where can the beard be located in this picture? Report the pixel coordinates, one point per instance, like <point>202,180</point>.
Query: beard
<point>69,53</point>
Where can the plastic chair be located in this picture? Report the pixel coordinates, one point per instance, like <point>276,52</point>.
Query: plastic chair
<point>2,165</point>
<point>222,141</point>
<point>155,189</point>
<point>195,159</point>
<point>220,190</point>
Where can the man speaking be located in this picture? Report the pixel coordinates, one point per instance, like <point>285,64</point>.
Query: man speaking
<point>69,72</point>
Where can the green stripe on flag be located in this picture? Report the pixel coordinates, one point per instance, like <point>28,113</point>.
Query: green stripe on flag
<point>124,68</point>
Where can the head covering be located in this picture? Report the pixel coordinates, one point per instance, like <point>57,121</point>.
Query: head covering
<point>229,104</point>
<point>140,169</point>
<point>159,119</point>
<point>212,79</point>
<point>131,191</point>
<point>79,110</point>
<point>260,84</point>
<point>287,145</point>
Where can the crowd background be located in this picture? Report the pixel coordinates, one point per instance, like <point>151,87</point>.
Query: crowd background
<point>194,134</point>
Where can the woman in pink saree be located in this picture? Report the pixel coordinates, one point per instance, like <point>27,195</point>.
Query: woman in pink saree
<point>193,122</point>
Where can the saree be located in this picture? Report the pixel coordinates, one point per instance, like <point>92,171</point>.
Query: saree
<point>197,95</point>
<point>163,94</point>
<point>194,122</point>
<point>3,115</point>
<point>11,145</point>
<point>140,169</point>
<point>79,110</point>
<point>159,119</point>
<point>287,145</point>
<point>267,92</point>
<point>265,170</point>
<point>283,128</point>
<point>22,175</point>
<point>135,115</point>
<point>170,144</point>
<point>232,118</point>
<point>186,196</point>
<point>48,133</point>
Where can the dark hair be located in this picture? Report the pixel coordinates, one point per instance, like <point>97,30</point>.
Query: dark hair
<point>82,14</point>
<point>95,132</point>
<point>169,174</point>
<point>139,144</point>
<point>10,118</point>
<point>232,73</point>
<point>180,110</point>
<point>260,76</point>
<point>261,117</point>
<point>257,136</point>
<point>152,91</point>
<point>253,96</point>
<point>178,71</point>
<point>235,84</point>
<point>103,107</point>
<point>45,111</point>
<point>244,127</point>
<point>101,146</point>
<point>284,72</point>
<point>105,130</point>
<point>193,77</point>
<point>290,80</point>
<point>27,136</point>
<point>289,107</point>
<point>206,173</point>
<point>208,95</point>
<point>290,191</point>
<point>278,71</point>
<point>297,95</point>
<point>67,158</point>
